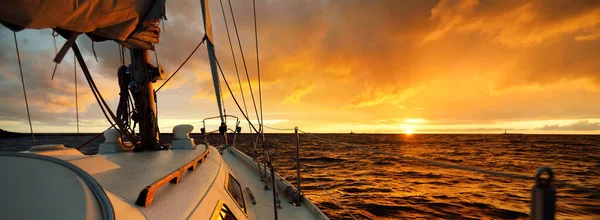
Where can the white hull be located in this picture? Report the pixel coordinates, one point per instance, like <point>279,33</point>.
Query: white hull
<point>199,194</point>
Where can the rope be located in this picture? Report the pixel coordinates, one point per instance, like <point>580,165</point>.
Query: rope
<point>124,109</point>
<point>90,82</point>
<point>325,189</point>
<point>278,129</point>
<point>458,167</point>
<point>244,61</point>
<point>94,51</point>
<point>237,73</point>
<point>76,98</point>
<point>94,138</point>
<point>54,34</point>
<point>101,102</point>
<point>232,96</point>
<point>222,101</point>
<point>185,61</point>
<point>23,84</point>
<point>261,123</point>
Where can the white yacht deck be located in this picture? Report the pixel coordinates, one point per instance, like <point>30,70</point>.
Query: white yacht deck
<point>199,192</point>
<point>247,172</point>
<point>171,201</point>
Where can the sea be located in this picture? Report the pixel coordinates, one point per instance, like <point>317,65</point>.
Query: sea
<point>364,173</point>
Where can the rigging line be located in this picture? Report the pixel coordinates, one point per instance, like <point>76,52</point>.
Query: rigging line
<point>321,185</point>
<point>24,91</point>
<point>279,129</point>
<point>98,100</point>
<point>98,96</point>
<point>223,102</point>
<point>459,167</point>
<point>94,138</point>
<point>55,52</point>
<point>120,54</point>
<point>232,96</point>
<point>325,189</point>
<point>244,61</point>
<point>155,96</point>
<point>273,128</point>
<point>92,87</point>
<point>94,50</point>
<point>76,98</point>
<point>185,61</point>
<point>261,123</point>
<point>237,73</point>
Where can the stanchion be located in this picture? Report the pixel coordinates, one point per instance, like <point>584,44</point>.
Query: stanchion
<point>543,196</point>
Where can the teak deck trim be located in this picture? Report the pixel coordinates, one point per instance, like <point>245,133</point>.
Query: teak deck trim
<point>147,194</point>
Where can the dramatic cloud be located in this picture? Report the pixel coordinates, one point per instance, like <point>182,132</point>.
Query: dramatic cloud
<point>330,64</point>
<point>577,126</point>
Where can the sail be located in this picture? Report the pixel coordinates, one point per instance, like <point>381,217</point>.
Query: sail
<point>130,22</point>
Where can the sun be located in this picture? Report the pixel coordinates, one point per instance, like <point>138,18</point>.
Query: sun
<point>408,131</point>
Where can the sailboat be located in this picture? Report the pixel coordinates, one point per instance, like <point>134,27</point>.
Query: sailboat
<point>505,133</point>
<point>133,176</point>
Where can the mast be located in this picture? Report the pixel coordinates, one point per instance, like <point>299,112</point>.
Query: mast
<point>211,55</point>
<point>142,77</point>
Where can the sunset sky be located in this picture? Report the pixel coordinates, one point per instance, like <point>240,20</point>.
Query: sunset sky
<point>340,65</point>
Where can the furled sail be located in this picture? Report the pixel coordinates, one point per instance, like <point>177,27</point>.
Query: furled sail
<point>129,22</point>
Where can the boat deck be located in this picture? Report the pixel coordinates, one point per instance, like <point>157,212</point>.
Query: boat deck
<point>172,201</point>
<point>249,177</point>
<point>199,191</point>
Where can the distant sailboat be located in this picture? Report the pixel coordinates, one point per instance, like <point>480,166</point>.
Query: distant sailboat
<point>505,133</point>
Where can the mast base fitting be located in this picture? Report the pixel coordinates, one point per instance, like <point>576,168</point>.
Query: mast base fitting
<point>223,128</point>
<point>156,73</point>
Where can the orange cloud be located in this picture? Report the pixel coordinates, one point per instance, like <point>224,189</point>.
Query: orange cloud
<point>360,62</point>
<point>448,15</point>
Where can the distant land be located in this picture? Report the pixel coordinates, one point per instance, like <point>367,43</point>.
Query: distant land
<point>8,134</point>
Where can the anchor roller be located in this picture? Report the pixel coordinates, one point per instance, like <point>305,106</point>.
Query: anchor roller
<point>543,196</point>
